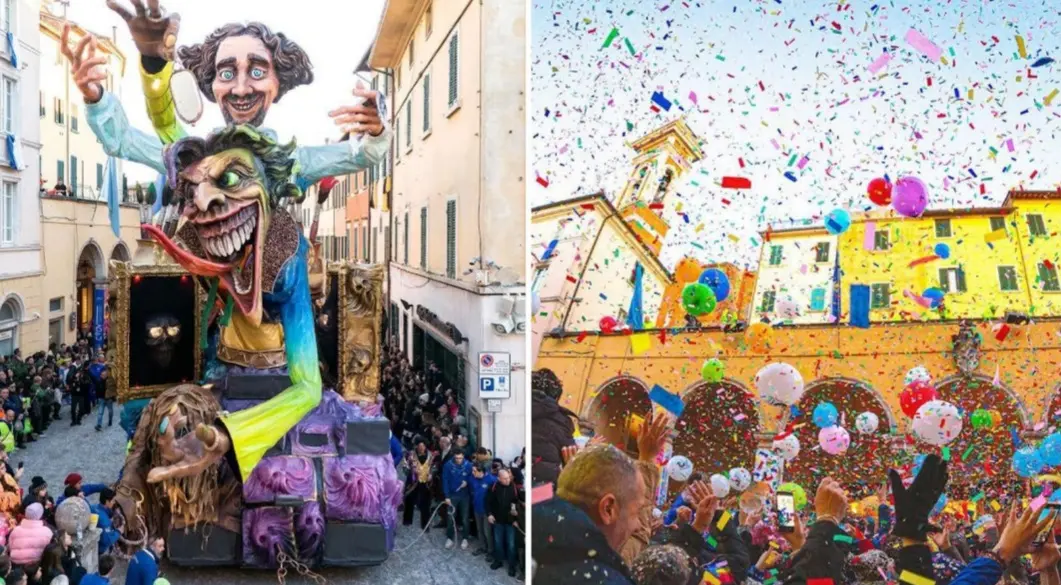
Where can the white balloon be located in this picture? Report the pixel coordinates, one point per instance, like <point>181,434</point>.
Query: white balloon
<point>657,513</point>
<point>787,447</point>
<point>867,422</point>
<point>779,383</point>
<point>740,478</point>
<point>719,485</point>
<point>679,468</point>
<point>536,303</point>
<point>937,422</point>
<point>786,309</point>
<point>918,374</point>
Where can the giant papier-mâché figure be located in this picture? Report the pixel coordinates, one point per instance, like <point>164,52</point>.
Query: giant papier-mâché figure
<point>224,221</point>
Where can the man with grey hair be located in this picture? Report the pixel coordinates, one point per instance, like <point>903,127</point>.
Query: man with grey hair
<point>597,508</point>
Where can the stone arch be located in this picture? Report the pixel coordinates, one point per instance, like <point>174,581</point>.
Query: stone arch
<point>120,252</point>
<point>718,428</point>
<point>617,410</point>
<point>91,255</point>
<point>12,311</point>
<point>1052,408</point>
<point>866,462</point>
<point>980,457</point>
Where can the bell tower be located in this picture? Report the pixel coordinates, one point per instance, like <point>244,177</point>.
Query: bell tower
<point>663,155</point>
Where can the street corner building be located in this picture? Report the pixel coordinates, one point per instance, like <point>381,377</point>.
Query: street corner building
<point>452,226</point>
<point>970,295</point>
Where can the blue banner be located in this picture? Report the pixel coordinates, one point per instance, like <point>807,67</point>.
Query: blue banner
<point>110,192</point>
<point>97,319</point>
<point>635,317</point>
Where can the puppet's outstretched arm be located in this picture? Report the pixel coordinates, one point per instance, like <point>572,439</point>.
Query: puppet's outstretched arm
<point>155,74</point>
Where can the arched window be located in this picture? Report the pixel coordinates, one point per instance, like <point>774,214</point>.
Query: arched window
<point>664,185</point>
<point>10,316</point>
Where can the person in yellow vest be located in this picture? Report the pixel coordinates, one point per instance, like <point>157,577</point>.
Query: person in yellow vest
<point>7,435</point>
<point>418,484</point>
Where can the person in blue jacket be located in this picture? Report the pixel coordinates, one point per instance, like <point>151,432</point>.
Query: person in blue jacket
<point>671,516</point>
<point>481,482</point>
<point>143,567</point>
<point>83,489</point>
<point>103,575</point>
<point>103,510</point>
<point>456,475</point>
<point>396,450</point>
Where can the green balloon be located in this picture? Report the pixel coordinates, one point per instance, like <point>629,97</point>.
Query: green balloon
<point>698,299</point>
<point>981,419</point>
<point>713,371</point>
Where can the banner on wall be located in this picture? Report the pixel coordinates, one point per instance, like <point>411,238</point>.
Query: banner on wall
<point>97,317</point>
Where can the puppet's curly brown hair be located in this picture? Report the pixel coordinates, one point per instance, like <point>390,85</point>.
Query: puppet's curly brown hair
<point>291,63</point>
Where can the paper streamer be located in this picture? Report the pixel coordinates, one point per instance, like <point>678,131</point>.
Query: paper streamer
<point>926,303</point>
<point>921,43</point>
<point>880,63</point>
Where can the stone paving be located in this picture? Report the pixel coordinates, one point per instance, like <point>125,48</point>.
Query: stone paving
<point>97,456</point>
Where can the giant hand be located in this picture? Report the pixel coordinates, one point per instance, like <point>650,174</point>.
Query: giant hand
<point>154,32</point>
<point>89,70</point>
<point>191,454</point>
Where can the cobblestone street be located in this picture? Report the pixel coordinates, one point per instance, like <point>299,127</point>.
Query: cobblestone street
<point>97,456</point>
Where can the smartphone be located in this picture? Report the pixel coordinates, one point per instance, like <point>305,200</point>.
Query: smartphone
<point>21,464</point>
<point>1040,538</point>
<point>786,511</point>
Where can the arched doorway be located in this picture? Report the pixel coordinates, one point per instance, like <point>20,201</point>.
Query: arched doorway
<point>10,317</point>
<point>982,457</point>
<point>864,465</point>
<point>618,410</point>
<point>90,270</point>
<point>120,252</point>
<point>718,428</point>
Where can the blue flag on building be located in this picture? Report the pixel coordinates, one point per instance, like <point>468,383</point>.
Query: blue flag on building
<point>836,289</point>
<point>13,159</point>
<point>635,317</point>
<point>860,297</point>
<point>160,184</point>
<point>110,191</point>
<point>11,49</point>
<point>97,318</point>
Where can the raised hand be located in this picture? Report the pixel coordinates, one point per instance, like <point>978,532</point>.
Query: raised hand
<point>154,32</point>
<point>653,436</point>
<point>363,117</point>
<point>798,536</point>
<point>830,502</point>
<point>89,70</point>
<point>705,513</point>
<point>913,504</point>
<point>1019,532</point>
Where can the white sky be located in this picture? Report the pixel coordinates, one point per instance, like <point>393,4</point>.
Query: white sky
<point>779,80</point>
<point>335,35</point>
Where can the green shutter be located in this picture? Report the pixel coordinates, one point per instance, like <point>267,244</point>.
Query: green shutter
<point>427,102</point>
<point>423,238</point>
<point>451,239</point>
<point>409,124</point>
<point>406,259</point>
<point>961,280</point>
<point>453,70</point>
<point>60,171</point>
<point>73,175</point>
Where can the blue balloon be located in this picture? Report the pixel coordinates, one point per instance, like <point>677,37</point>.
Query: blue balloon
<point>942,250</point>
<point>1050,449</point>
<point>717,281</point>
<point>935,295</point>
<point>837,221</point>
<point>1027,462</point>
<point>825,415</point>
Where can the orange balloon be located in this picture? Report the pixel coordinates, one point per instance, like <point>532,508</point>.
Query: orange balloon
<point>759,336</point>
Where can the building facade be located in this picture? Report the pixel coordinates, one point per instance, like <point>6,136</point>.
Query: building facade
<point>23,322</point>
<point>796,277</point>
<point>455,230</point>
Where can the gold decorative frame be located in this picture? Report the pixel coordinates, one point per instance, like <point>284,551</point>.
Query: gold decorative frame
<point>121,277</point>
<point>360,316</point>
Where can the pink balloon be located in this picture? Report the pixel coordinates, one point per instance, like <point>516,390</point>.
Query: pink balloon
<point>910,197</point>
<point>834,440</point>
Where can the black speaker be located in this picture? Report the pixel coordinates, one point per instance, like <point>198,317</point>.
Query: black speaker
<point>354,544</point>
<point>204,546</point>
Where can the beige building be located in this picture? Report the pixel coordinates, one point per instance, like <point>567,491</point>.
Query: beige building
<point>456,81</point>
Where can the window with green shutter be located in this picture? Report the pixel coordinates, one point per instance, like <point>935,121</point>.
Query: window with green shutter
<point>406,243</point>
<point>943,228</point>
<point>364,244</point>
<point>427,102</point>
<point>73,176</point>
<point>60,171</point>
<point>998,223</point>
<point>99,176</point>
<point>817,299</point>
<point>1048,277</point>
<point>880,296</point>
<point>769,299</point>
<point>409,125</point>
<point>1007,278</point>
<point>423,238</point>
<point>453,69</point>
<point>775,255</point>
<point>451,239</point>
<point>882,241</point>
<point>821,253</point>
<point>1036,225</point>
<point>952,280</point>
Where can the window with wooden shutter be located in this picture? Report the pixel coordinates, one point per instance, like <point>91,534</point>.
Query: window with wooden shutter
<point>817,299</point>
<point>406,243</point>
<point>427,102</point>
<point>952,280</point>
<point>451,239</point>
<point>453,69</point>
<point>1036,225</point>
<point>769,300</point>
<point>1048,277</point>
<point>822,252</point>
<point>409,125</point>
<point>998,223</point>
<point>943,228</point>
<point>423,238</point>
<point>880,296</point>
<point>1007,278</point>
<point>776,253</point>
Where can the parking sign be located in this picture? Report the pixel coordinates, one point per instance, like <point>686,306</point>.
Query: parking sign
<point>495,373</point>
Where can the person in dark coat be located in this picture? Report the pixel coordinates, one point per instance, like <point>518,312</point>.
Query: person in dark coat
<point>552,427</point>
<point>581,530</point>
<point>503,502</point>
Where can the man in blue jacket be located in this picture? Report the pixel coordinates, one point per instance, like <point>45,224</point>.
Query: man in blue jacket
<point>481,482</point>
<point>103,510</point>
<point>456,474</point>
<point>143,567</point>
<point>103,576</point>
